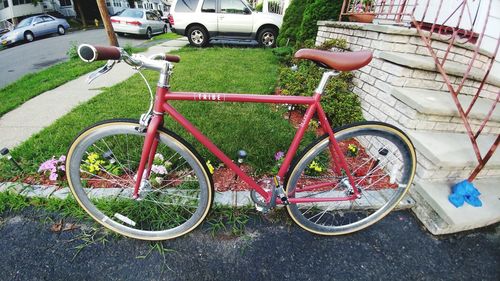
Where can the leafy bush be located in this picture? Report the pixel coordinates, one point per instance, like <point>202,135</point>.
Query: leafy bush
<point>259,7</point>
<point>314,12</point>
<point>339,103</point>
<point>284,54</point>
<point>292,22</point>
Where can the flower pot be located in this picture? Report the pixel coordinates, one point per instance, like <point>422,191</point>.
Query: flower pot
<point>363,17</point>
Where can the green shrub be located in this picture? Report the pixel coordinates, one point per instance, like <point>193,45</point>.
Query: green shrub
<point>284,54</point>
<point>314,12</point>
<point>291,22</point>
<point>340,104</point>
<point>259,7</point>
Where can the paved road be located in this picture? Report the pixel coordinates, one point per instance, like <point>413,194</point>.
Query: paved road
<point>394,249</point>
<point>27,58</point>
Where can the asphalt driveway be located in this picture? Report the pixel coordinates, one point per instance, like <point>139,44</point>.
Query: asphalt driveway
<point>395,249</point>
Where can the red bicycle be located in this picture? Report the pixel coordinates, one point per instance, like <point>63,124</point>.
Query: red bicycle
<point>141,180</point>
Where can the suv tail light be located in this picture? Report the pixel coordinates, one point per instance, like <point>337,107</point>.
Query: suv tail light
<point>171,19</point>
<point>115,20</point>
<point>134,22</point>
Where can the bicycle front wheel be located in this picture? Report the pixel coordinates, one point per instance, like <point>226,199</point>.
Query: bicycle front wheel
<point>380,157</point>
<point>174,198</point>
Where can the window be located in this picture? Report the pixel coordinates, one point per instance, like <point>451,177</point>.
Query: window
<point>149,16</point>
<point>20,2</point>
<point>186,6</point>
<point>208,6</point>
<point>108,4</point>
<point>24,22</point>
<point>46,18</point>
<point>37,20</point>
<point>65,2</point>
<point>232,7</point>
<point>5,4</point>
<point>132,14</point>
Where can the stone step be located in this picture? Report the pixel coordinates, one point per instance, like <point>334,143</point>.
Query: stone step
<point>452,149</point>
<point>441,103</point>
<point>427,63</point>
<point>436,111</point>
<point>441,217</point>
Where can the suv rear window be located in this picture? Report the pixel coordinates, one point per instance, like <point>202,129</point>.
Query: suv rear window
<point>208,6</point>
<point>186,6</point>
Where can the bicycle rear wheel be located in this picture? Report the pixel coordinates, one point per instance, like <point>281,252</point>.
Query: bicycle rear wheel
<point>381,159</point>
<point>101,170</point>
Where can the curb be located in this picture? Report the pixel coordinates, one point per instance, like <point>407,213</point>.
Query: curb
<point>226,198</point>
<point>235,199</point>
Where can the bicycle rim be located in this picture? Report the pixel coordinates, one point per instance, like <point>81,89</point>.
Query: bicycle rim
<point>380,158</point>
<point>101,170</point>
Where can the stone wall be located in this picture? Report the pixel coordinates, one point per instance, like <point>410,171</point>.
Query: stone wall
<point>403,40</point>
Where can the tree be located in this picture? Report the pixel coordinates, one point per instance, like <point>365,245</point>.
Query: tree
<point>292,21</point>
<point>113,41</point>
<point>314,12</point>
<point>78,5</point>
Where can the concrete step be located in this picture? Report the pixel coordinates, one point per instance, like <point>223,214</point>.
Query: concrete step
<point>436,111</point>
<point>450,157</point>
<point>452,149</point>
<point>441,103</point>
<point>427,63</point>
<point>441,217</point>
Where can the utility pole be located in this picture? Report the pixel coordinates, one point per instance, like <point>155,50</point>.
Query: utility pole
<point>107,23</point>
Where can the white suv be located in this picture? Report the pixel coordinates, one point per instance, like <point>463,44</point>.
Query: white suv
<point>203,20</point>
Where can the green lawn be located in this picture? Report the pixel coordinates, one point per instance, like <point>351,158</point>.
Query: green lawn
<point>167,36</point>
<point>257,128</point>
<point>33,84</point>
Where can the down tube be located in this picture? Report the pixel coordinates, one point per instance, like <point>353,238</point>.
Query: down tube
<point>214,149</point>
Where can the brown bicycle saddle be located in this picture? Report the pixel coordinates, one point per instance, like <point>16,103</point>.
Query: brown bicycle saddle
<point>342,61</point>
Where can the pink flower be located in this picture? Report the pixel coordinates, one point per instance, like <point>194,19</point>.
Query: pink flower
<point>159,169</point>
<point>53,176</point>
<point>279,155</point>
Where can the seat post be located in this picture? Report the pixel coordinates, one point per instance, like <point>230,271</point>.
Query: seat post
<point>324,80</point>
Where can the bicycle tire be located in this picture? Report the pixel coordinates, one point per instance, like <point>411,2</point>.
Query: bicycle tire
<point>173,201</point>
<point>382,179</point>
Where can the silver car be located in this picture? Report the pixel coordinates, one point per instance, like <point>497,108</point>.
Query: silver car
<point>30,28</point>
<point>138,21</point>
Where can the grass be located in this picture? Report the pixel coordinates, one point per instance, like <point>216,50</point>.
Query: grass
<point>167,36</point>
<point>256,128</point>
<point>34,84</point>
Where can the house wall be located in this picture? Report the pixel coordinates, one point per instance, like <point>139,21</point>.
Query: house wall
<point>19,11</point>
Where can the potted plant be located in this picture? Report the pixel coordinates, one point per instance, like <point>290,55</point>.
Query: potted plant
<point>362,11</point>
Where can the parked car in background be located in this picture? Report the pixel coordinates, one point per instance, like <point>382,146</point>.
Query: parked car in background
<point>30,28</point>
<point>204,20</point>
<point>138,21</point>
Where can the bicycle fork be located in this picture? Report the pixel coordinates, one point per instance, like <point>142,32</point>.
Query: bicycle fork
<point>148,153</point>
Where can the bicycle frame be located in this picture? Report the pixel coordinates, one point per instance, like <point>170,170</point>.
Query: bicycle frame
<point>161,106</point>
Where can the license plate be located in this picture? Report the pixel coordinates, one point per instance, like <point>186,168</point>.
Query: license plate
<point>4,42</point>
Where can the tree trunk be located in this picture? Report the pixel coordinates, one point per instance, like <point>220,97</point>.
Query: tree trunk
<point>80,11</point>
<point>113,41</point>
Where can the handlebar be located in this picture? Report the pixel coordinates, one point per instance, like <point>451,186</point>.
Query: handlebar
<point>89,53</point>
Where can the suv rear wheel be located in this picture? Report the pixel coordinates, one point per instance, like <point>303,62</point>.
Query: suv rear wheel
<point>197,36</point>
<point>267,37</point>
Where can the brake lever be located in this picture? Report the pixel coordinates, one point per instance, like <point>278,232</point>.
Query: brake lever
<point>101,71</point>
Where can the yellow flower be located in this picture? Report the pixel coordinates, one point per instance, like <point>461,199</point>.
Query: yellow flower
<point>210,167</point>
<point>315,166</point>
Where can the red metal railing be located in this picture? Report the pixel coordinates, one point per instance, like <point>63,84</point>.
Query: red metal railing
<point>456,22</point>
